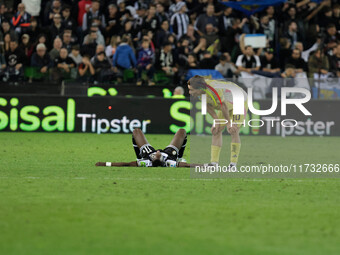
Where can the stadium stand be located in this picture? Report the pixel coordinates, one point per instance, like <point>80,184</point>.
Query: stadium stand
<point>159,42</point>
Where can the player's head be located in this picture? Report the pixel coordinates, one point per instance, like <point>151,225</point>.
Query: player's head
<point>196,85</point>
<point>156,159</point>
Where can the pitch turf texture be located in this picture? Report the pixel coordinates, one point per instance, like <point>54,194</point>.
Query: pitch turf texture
<point>53,200</point>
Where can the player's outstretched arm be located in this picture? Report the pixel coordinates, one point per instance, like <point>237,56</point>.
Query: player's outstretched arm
<point>184,164</point>
<point>119,164</point>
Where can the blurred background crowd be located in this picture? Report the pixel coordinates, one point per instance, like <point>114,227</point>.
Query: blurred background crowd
<point>148,42</point>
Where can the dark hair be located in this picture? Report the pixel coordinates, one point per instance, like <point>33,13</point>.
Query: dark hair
<point>66,7</point>
<point>76,47</point>
<point>327,9</point>
<point>125,38</point>
<point>223,58</point>
<point>291,22</point>
<point>330,25</point>
<point>166,43</point>
<point>197,82</point>
<point>156,163</point>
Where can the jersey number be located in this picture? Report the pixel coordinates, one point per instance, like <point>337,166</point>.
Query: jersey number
<point>147,149</point>
<point>236,117</point>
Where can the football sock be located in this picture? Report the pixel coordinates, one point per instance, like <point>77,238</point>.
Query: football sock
<point>181,151</point>
<point>135,147</point>
<point>235,151</point>
<point>215,153</point>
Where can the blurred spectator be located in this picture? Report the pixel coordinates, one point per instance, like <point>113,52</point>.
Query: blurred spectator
<point>5,29</point>
<point>192,36</point>
<point>191,62</point>
<point>83,7</point>
<point>86,70</point>
<point>128,29</point>
<point>34,30</point>
<point>54,9</point>
<point>102,67</point>
<point>326,16</point>
<point>265,28</point>
<point>162,34</point>
<point>89,44</point>
<point>7,41</point>
<point>226,67</point>
<point>124,58</point>
<point>201,48</point>
<point>57,27</point>
<point>332,36</point>
<point>57,44</point>
<point>63,65</point>
<point>166,61</point>
<point>2,65</point>
<point>248,61</point>
<point>335,61</point>
<point>206,18</point>
<point>21,20</point>
<point>178,92</point>
<point>161,14</point>
<point>42,38</point>
<point>123,13</point>
<point>180,20</point>
<point>183,51</point>
<point>110,50</point>
<point>94,36</point>
<point>98,49</point>
<point>229,41</point>
<point>292,34</point>
<point>336,16</point>
<point>225,20</point>
<point>296,61</point>
<point>134,27</point>
<point>113,24</point>
<point>212,38</point>
<point>75,54</point>
<point>305,54</point>
<point>268,62</point>
<point>41,59</point>
<point>26,46</point>
<point>318,63</point>
<point>290,16</point>
<point>3,11</point>
<point>15,60</point>
<point>285,51</point>
<point>145,63</point>
<point>208,61</point>
<point>93,16</point>
<point>67,20</point>
<point>150,22</point>
<point>67,40</point>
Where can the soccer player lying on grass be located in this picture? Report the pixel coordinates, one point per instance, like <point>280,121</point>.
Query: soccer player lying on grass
<point>147,156</point>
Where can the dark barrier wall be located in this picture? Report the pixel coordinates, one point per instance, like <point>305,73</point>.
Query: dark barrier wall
<point>154,115</point>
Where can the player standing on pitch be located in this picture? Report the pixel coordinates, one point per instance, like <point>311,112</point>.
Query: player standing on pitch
<point>197,86</point>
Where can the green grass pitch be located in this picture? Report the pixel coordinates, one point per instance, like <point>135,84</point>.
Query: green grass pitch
<point>53,200</point>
